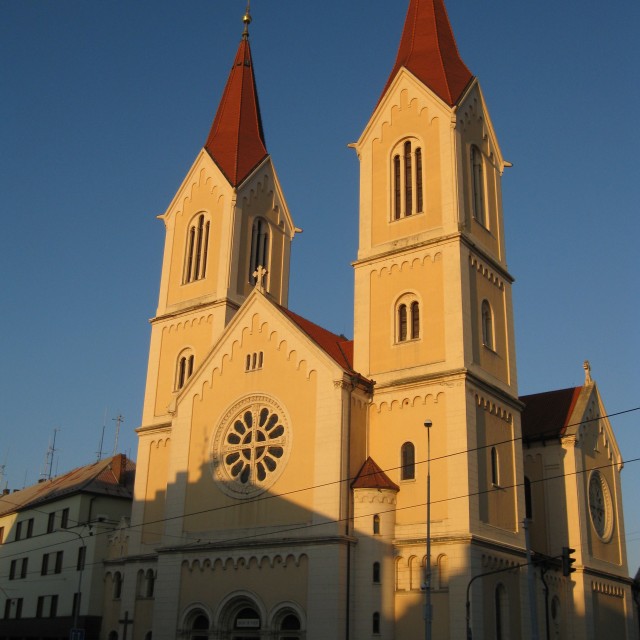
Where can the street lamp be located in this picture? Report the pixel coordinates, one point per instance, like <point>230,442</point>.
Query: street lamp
<point>427,576</point>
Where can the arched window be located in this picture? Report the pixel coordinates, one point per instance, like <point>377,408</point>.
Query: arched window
<point>259,247</point>
<point>376,573</point>
<point>150,581</point>
<point>528,511</point>
<point>199,627</point>
<point>113,635</point>
<point>376,524</point>
<point>502,613</point>
<point>415,319</point>
<point>375,626</point>
<point>487,325</point>
<point>402,322</point>
<point>407,318</point>
<point>117,585</point>
<point>397,189</point>
<point>477,186</point>
<point>184,369</point>
<point>408,461</point>
<point>407,180</point>
<point>415,573</point>
<point>148,635</point>
<point>443,572</point>
<point>495,469</point>
<point>195,265</point>
<point>288,625</point>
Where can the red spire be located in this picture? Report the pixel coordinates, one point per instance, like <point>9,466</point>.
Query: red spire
<point>428,49</point>
<point>236,141</point>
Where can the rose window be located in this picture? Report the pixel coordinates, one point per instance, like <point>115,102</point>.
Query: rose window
<point>251,446</point>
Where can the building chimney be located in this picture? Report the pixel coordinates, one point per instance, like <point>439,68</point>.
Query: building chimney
<point>118,466</point>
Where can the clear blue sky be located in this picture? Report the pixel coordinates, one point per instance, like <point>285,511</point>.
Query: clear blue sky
<point>104,105</point>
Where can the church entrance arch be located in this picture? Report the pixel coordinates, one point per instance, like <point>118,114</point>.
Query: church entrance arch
<point>241,620</point>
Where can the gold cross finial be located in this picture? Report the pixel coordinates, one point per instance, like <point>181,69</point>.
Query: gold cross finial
<point>247,20</point>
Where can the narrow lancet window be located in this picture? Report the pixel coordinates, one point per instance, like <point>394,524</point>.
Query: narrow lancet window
<point>408,180</point>
<point>195,266</point>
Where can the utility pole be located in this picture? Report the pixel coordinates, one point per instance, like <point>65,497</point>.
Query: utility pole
<point>428,617</point>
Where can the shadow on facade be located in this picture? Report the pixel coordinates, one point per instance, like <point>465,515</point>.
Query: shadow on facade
<point>271,566</point>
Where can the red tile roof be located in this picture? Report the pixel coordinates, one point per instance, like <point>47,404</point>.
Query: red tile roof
<point>111,477</point>
<point>371,476</point>
<point>236,140</point>
<point>547,415</point>
<point>338,347</point>
<point>428,49</point>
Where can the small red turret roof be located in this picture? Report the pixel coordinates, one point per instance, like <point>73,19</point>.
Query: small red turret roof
<point>428,49</point>
<point>236,140</point>
<point>371,476</point>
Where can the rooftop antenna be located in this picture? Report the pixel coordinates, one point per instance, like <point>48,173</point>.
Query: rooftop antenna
<point>48,459</point>
<point>3,466</point>
<point>104,426</point>
<point>119,419</point>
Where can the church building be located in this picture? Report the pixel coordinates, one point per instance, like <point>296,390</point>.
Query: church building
<point>293,483</point>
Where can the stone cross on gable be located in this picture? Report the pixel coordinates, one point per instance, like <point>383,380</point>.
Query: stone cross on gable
<point>125,622</point>
<point>259,275</point>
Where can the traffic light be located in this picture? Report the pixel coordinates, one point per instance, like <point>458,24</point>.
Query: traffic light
<point>567,561</point>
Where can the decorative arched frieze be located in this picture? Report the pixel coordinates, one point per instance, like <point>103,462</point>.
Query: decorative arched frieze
<point>371,496</point>
<point>485,271</point>
<point>243,562</point>
<point>492,407</point>
<point>607,589</point>
<point>494,563</point>
<point>406,264</point>
<point>406,401</point>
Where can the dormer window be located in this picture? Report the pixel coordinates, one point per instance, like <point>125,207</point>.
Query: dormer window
<point>407,178</point>
<point>195,265</point>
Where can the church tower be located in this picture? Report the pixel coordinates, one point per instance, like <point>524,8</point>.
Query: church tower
<point>433,313</point>
<point>226,224</point>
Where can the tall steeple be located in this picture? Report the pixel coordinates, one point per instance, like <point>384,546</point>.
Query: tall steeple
<point>428,49</point>
<point>236,140</point>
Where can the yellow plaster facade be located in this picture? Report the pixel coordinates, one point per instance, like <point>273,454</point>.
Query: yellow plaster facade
<point>256,423</point>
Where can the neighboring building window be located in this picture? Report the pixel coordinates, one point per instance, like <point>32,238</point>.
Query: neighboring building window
<point>502,613</point>
<point>259,247</point>
<point>407,318</point>
<point>408,461</point>
<point>375,628</point>
<point>18,531</point>
<point>495,471</point>
<point>45,565</point>
<point>487,325</point>
<point>59,555</point>
<point>186,363</point>
<point>477,186</point>
<point>51,522</point>
<point>30,528</point>
<point>376,524</point>
<point>528,511</point>
<point>113,635</point>
<point>1,535</point>
<point>18,569</point>
<point>376,573</point>
<point>47,607</point>
<point>13,609</point>
<point>407,180</point>
<point>148,635</point>
<point>64,520</point>
<point>195,266</point>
